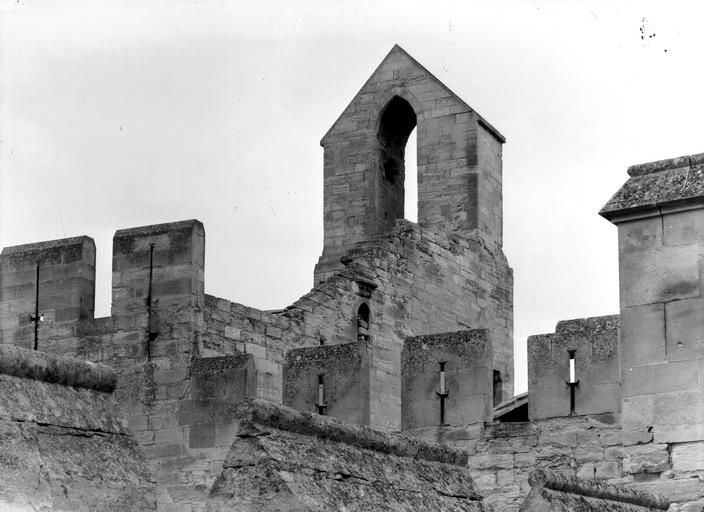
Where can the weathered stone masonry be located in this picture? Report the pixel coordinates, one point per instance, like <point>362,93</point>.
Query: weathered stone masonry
<point>408,326</point>
<point>385,279</point>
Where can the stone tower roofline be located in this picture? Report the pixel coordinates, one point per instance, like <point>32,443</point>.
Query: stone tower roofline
<point>675,183</point>
<point>408,96</point>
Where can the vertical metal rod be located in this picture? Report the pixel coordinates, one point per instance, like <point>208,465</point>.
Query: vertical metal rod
<point>573,385</point>
<point>36,312</point>
<point>149,302</point>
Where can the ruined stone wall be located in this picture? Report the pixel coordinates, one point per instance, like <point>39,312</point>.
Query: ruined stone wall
<point>151,340</point>
<point>283,459</point>
<point>64,444</point>
<point>414,282</point>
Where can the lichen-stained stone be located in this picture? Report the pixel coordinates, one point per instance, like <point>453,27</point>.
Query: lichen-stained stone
<point>64,447</point>
<point>466,358</point>
<point>340,373</point>
<point>64,273</point>
<point>594,343</point>
<point>459,162</point>
<point>286,460</point>
<point>553,492</point>
<point>655,183</point>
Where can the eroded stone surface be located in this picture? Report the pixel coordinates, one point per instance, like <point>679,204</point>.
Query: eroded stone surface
<point>287,460</point>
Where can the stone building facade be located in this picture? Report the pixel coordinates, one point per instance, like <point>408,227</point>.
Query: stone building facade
<point>409,326</point>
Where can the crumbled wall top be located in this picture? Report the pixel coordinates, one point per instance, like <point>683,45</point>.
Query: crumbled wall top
<point>658,183</point>
<point>288,460</point>
<point>64,442</point>
<point>67,371</point>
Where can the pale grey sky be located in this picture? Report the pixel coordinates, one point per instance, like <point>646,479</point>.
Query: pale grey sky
<point>119,114</point>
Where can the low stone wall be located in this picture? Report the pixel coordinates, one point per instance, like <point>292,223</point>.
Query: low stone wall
<point>64,446</point>
<point>283,459</point>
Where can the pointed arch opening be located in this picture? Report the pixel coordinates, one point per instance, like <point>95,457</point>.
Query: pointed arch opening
<point>397,122</point>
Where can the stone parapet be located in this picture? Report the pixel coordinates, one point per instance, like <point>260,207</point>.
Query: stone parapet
<point>67,371</point>
<point>64,442</point>
<point>461,364</point>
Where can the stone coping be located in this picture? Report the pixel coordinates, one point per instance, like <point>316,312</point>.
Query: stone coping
<point>592,489</point>
<point>37,247</point>
<point>664,165</point>
<point>256,411</point>
<point>158,229</point>
<point>480,336</point>
<point>673,183</point>
<point>66,371</point>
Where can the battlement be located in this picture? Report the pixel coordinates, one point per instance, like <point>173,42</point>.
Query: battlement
<point>575,370</point>
<point>51,281</point>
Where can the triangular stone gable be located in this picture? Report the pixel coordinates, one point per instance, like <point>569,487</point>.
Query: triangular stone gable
<point>402,68</point>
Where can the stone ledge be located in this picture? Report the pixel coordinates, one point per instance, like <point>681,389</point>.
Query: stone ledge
<point>572,485</point>
<point>255,411</point>
<point>663,165</point>
<point>31,364</point>
<point>479,337</point>
<point>672,182</point>
<point>28,250</point>
<point>159,229</point>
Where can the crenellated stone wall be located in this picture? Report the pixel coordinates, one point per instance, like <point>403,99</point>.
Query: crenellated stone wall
<point>414,282</point>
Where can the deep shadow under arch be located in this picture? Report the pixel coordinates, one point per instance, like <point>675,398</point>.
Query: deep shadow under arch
<point>397,121</point>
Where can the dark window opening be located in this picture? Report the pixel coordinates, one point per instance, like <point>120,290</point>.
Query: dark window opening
<point>498,388</point>
<point>363,318</point>
<point>396,124</point>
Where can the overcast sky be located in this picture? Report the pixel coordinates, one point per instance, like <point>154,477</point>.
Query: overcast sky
<point>119,114</point>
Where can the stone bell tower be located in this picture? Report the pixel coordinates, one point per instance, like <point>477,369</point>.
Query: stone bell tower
<point>459,162</point>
